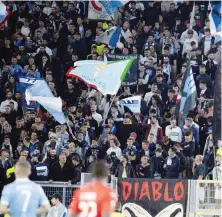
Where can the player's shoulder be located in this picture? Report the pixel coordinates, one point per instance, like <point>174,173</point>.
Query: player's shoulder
<point>9,186</point>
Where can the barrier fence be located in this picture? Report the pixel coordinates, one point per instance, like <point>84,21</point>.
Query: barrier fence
<point>203,197</point>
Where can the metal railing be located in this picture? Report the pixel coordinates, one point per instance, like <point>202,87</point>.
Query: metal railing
<point>59,187</point>
<point>208,198</point>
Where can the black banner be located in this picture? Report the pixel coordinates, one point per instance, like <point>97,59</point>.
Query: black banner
<point>131,77</point>
<point>150,198</point>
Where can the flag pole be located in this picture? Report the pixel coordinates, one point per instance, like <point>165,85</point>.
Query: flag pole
<point>70,130</point>
<point>111,102</point>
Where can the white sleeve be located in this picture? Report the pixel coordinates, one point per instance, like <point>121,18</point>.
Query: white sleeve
<point>146,97</point>
<point>182,38</point>
<point>167,131</point>
<point>119,153</point>
<point>2,108</point>
<point>108,152</point>
<point>102,104</point>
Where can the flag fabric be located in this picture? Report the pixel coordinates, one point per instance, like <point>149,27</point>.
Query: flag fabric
<point>133,103</point>
<point>21,87</point>
<point>41,93</point>
<point>4,13</point>
<point>192,17</point>
<point>110,36</point>
<point>217,107</point>
<point>112,6</point>
<point>103,76</point>
<point>186,99</point>
<point>215,19</point>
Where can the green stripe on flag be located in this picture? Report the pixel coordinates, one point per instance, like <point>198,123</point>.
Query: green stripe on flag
<point>124,73</point>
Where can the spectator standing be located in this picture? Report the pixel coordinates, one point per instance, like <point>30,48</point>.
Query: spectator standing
<point>172,165</point>
<point>143,169</point>
<point>40,171</point>
<point>199,169</point>
<point>188,148</point>
<point>61,170</point>
<point>174,132</point>
<point>124,169</point>
<point>157,164</point>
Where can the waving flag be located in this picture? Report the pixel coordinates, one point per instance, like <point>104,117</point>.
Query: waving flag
<point>133,103</point>
<point>4,13</point>
<point>110,36</point>
<point>112,6</point>
<point>103,76</point>
<point>215,19</point>
<point>192,17</point>
<point>41,93</point>
<point>186,99</point>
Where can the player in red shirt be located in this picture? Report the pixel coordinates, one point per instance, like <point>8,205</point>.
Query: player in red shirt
<point>94,199</point>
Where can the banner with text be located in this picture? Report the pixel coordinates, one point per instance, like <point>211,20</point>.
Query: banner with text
<point>131,77</point>
<point>153,198</point>
<point>96,11</point>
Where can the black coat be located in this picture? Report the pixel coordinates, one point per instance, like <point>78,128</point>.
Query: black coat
<point>150,15</point>
<point>157,165</point>
<point>182,161</point>
<point>129,171</point>
<point>143,172</point>
<point>57,173</point>
<point>77,170</point>
<point>79,47</point>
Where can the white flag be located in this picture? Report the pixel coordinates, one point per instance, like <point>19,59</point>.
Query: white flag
<point>133,103</point>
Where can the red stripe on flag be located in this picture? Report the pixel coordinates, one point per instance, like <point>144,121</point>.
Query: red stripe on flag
<point>7,16</point>
<point>68,74</point>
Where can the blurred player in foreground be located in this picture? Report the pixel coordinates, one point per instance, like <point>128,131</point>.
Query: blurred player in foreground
<point>23,198</point>
<point>94,199</point>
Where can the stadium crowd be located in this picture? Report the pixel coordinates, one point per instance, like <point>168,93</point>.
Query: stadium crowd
<point>45,39</point>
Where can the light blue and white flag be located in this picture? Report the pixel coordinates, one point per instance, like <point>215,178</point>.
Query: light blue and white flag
<point>112,6</point>
<point>133,103</point>
<point>4,13</point>
<point>41,93</point>
<point>103,76</point>
<point>215,20</point>
<point>110,36</point>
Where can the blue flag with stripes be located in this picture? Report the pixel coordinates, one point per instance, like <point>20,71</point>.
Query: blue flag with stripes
<point>112,6</point>
<point>215,19</point>
<point>110,36</point>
